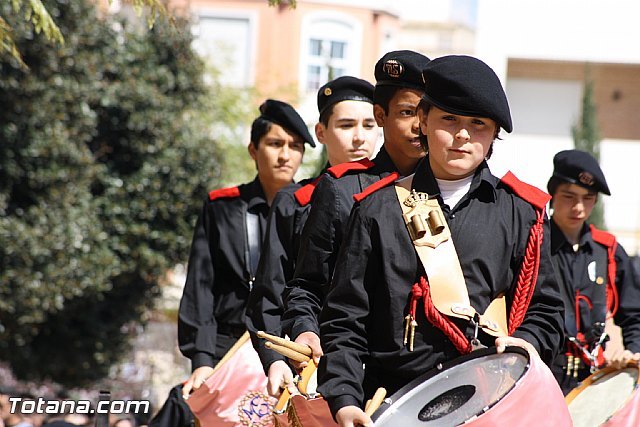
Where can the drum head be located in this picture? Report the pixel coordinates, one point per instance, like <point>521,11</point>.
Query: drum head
<point>603,397</point>
<point>459,391</point>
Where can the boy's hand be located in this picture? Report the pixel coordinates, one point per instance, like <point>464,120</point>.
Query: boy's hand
<point>351,416</point>
<point>313,341</point>
<point>197,378</point>
<point>503,342</point>
<point>620,359</point>
<point>279,378</point>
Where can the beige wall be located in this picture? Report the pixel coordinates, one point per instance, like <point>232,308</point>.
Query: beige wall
<point>616,89</point>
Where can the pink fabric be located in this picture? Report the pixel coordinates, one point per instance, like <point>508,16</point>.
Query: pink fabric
<point>535,401</point>
<point>629,415</point>
<point>235,395</point>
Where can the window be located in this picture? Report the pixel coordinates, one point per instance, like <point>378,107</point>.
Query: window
<point>326,59</point>
<point>225,41</point>
<point>331,46</point>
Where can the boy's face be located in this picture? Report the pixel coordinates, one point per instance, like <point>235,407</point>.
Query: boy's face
<point>572,206</point>
<point>457,144</point>
<point>278,156</point>
<point>351,132</point>
<point>401,126</point>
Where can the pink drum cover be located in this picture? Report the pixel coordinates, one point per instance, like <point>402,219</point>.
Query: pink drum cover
<point>535,401</point>
<point>235,395</point>
<point>629,415</point>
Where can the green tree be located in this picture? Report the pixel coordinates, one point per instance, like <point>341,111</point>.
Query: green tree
<point>586,137</point>
<point>106,152</point>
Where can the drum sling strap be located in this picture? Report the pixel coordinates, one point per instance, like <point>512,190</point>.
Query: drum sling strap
<point>443,290</point>
<point>252,251</point>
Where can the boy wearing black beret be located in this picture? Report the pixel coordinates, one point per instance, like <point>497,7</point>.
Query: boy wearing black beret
<point>349,132</point>
<point>595,273</point>
<point>396,97</point>
<point>385,309</point>
<point>227,241</point>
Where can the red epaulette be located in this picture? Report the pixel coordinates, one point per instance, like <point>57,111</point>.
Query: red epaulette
<point>304,193</point>
<point>602,237</point>
<point>224,193</point>
<point>376,186</point>
<point>341,170</point>
<point>528,192</point>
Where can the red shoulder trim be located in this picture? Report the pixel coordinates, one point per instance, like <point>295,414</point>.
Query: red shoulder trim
<point>376,186</point>
<point>304,193</point>
<point>602,237</point>
<point>338,171</point>
<point>528,192</point>
<point>224,193</point>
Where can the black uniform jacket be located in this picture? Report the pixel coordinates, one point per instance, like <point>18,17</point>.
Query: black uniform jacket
<point>219,273</point>
<point>362,321</point>
<point>584,272</point>
<point>322,236</point>
<point>286,218</point>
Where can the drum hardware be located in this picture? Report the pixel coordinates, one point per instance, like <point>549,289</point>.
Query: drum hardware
<point>596,348</point>
<point>475,342</point>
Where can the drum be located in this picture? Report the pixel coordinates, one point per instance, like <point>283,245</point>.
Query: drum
<point>480,389</point>
<point>609,397</point>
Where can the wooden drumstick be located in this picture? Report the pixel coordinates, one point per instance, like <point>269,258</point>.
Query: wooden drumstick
<point>282,402</point>
<point>300,348</point>
<point>287,352</point>
<point>375,402</point>
<point>305,377</point>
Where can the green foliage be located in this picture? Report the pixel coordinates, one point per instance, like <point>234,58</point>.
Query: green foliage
<point>290,3</point>
<point>106,152</point>
<point>586,137</point>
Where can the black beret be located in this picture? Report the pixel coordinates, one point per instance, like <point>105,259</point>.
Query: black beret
<point>401,68</point>
<point>284,115</point>
<point>342,89</point>
<point>580,168</point>
<point>466,86</point>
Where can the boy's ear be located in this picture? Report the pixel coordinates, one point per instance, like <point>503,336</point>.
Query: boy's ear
<point>379,114</point>
<point>422,118</point>
<point>320,130</point>
<point>252,150</point>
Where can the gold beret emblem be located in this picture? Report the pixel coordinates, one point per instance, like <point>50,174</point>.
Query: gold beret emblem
<point>327,91</point>
<point>599,280</point>
<point>586,178</point>
<point>393,68</point>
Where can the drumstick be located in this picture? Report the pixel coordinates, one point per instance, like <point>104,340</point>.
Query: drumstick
<point>376,401</point>
<point>287,352</point>
<point>282,402</point>
<point>305,377</point>
<point>300,348</point>
<point>243,339</point>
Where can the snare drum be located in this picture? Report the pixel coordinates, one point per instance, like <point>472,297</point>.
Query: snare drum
<point>480,389</point>
<point>609,397</point>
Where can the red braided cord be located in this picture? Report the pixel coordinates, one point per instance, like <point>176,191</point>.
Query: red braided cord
<point>580,297</point>
<point>528,275</point>
<point>612,294</point>
<point>442,322</point>
<point>416,294</point>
